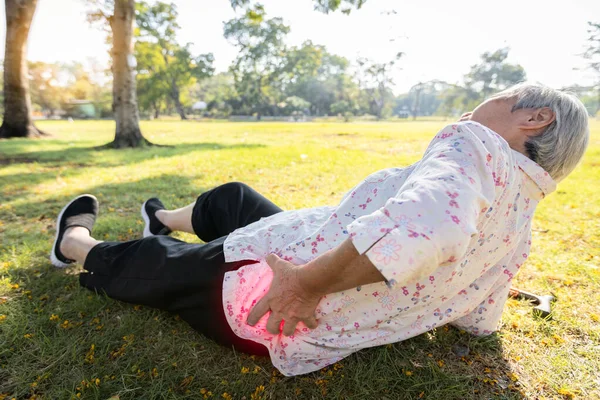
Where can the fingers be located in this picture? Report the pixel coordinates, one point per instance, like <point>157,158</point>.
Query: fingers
<point>273,261</point>
<point>289,327</point>
<point>274,323</point>
<point>257,312</point>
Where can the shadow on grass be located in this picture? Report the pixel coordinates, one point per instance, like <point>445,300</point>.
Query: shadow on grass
<point>124,198</point>
<point>95,157</point>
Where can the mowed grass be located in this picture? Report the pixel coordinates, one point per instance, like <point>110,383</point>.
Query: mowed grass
<point>59,341</point>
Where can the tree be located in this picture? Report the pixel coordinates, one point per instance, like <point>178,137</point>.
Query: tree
<point>260,57</point>
<point>43,81</point>
<point>319,77</point>
<point>422,99</point>
<point>173,64</point>
<point>17,120</point>
<point>120,16</point>
<point>494,74</point>
<point>218,92</point>
<point>324,6</point>
<point>375,82</point>
<point>592,54</point>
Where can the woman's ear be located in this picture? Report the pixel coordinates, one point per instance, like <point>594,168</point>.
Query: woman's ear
<point>538,119</point>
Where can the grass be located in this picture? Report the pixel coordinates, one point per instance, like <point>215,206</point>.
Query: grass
<point>59,341</point>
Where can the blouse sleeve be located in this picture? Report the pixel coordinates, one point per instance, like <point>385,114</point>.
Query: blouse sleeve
<point>434,214</point>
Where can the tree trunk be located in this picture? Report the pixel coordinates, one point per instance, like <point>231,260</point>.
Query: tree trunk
<point>125,107</point>
<point>177,101</point>
<point>17,101</point>
<point>156,111</point>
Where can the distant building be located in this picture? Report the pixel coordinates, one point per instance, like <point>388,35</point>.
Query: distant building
<point>80,109</point>
<point>199,106</point>
<point>404,113</point>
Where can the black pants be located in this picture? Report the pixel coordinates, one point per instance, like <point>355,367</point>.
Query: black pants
<point>183,278</point>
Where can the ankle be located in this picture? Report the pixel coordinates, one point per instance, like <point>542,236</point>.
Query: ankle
<point>163,216</point>
<point>70,240</point>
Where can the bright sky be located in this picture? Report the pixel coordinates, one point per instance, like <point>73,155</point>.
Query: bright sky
<point>441,38</point>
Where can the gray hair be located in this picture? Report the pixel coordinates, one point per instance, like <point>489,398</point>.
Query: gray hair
<point>560,147</point>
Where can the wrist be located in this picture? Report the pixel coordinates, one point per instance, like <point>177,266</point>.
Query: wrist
<point>311,280</point>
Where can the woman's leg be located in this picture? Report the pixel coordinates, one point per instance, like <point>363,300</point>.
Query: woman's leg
<point>220,211</point>
<point>165,273</point>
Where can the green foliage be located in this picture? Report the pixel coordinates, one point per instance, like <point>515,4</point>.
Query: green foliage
<point>324,6</point>
<point>592,55</point>
<point>319,77</point>
<point>55,86</point>
<point>491,75</point>
<point>260,42</point>
<point>44,89</point>
<point>327,6</point>
<point>166,69</point>
<point>494,74</point>
<point>376,83</point>
<point>218,92</point>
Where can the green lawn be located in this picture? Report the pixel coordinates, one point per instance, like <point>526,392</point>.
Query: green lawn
<point>59,341</point>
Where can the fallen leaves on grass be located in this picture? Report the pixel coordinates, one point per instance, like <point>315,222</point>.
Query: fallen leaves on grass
<point>89,357</point>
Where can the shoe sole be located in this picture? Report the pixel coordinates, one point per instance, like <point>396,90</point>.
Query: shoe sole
<point>146,218</point>
<point>53,259</point>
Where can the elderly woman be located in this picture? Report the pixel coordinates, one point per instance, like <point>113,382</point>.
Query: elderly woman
<point>405,251</point>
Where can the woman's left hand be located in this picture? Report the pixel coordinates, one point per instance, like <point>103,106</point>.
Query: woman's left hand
<point>287,300</point>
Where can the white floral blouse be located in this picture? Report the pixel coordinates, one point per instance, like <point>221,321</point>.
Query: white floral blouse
<point>448,233</point>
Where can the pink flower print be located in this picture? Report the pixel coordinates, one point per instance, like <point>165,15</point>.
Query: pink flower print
<point>386,251</point>
<point>431,278</point>
<point>455,219</point>
<point>320,238</point>
<point>403,221</point>
<point>489,157</point>
<point>412,234</point>
<point>378,222</point>
<point>405,290</point>
<point>340,319</point>
<point>356,325</point>
<point>419,286</point>
<point>387,300</point>
<point>418,323</point>
<point>347,301</point>
<point>375,294</point>
<point>438,313</point>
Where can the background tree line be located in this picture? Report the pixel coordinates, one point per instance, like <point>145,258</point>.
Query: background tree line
<point>154,74</point>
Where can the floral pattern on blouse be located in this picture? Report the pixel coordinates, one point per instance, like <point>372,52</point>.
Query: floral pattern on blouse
<point>448,233</point>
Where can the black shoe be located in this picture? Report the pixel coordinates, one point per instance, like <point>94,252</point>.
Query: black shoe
<point>82,211</point>
<point>153,225</point>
